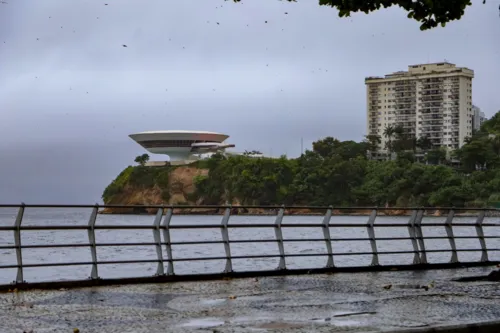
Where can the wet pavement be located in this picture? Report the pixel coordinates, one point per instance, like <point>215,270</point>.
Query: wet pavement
<point>344,302</point>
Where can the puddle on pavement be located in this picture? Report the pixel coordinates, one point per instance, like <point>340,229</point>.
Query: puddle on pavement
<point>280,325</point>
<point>109,299</point>
<point>212,302</point>
<point>346,322</point>
<point>203,322</point>
<point>412,324</point>
<point>244,320</point>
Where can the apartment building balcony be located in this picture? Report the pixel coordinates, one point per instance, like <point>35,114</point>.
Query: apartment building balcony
<point>431,123</point>
<point>404,83</point>
<point>405,112</point>
<point>431,116</point>
<point>424,119</point>
<point>431,94</point>
<point>404,106</point>
<point>404,101</point>
<point>431,130</point>
<point>410,120</point>
<point>404,98</point>
<point>434,79</point>
<point>431,108</point>
<point>405,89</point>
<point>430,105</point>
<point>430,99</point>
<point>406,123</point>
<point>436,88</point>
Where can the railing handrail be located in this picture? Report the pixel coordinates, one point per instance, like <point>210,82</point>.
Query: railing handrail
<point>162,226</point>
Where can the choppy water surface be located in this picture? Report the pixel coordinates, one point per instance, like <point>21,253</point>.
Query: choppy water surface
<point>81,216</point>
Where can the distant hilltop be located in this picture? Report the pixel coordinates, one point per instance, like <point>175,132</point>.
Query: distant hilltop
<point>336,173</point>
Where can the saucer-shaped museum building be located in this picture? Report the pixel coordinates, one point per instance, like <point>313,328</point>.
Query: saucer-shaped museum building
<point>182,145</point>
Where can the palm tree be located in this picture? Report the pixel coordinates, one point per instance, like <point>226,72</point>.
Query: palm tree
<point>399,132</point>
<point>389,132</point>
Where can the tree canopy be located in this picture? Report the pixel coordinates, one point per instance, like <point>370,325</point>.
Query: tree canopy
<point>430,13</point>
<point>142,159</point>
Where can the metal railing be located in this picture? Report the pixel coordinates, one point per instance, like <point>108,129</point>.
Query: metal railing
<point>163,242</point>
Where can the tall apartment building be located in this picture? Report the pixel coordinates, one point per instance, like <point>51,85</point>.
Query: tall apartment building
<point>428,100</point>
<point>478,118</point>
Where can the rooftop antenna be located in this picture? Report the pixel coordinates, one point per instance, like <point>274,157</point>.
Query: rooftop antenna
<point>301,146</point>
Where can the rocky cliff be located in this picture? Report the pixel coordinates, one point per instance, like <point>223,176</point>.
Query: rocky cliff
<point>152,186</point>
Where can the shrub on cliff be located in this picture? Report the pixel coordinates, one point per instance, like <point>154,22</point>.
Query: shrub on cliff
<point>117,185</point>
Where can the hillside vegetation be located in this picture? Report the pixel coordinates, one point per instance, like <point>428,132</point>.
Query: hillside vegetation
<point>334,173</point>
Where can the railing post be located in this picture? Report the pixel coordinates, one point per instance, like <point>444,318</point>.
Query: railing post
<point>371,234</point>
<point>93,249</point>
<point>225,238</point>
<point>17,243</point>
<point>420,236</point>
<point>328,239</point>
<point>413,236</point>
<point>168,244</point>
<point>279,238</point>
<point>451,238</point>
<point>480,235</point>
<point>157,237</point>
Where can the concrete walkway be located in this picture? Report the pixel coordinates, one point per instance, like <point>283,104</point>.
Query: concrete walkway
<point>362,302</point>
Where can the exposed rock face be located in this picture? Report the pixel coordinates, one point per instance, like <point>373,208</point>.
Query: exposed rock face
<point>180,185</point>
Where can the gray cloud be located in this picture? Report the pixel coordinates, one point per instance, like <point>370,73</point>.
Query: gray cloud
<point>70,93</point>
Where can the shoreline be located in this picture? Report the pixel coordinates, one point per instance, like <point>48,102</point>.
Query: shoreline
<point>288,212</point>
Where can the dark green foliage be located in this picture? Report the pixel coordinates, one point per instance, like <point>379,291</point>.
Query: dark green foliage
<point>117,185</point>
<point>142,159</point>
<point>430,13</point>
<point>139,177</point>
<point>339,173</point>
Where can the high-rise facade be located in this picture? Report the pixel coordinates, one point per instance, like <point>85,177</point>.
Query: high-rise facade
<point>428,100</point>
<point>478,118</point>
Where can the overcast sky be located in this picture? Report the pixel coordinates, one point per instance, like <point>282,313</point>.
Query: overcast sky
<point>265,72</point>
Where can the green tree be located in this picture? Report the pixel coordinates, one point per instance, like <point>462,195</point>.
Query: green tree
<point>430,13</point>
<point>424,143</point>
<point>330,147</point>
<point>478,154</point>
<point>373,141</point>
<point>142,159</point>
<point>436,156</point>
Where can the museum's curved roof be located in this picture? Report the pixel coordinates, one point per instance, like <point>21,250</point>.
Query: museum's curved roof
<point>198,136</point>
<point>178,132</point>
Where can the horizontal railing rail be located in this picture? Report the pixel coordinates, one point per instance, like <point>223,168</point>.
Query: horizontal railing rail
<point>163,242</point>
